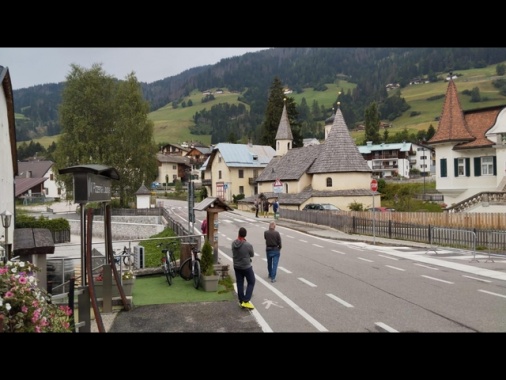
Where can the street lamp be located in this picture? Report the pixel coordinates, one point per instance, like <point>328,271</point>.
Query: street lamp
<point>6,223</point>
<point>423,152</point>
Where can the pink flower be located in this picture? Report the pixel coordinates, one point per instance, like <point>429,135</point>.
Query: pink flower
<point>22,280</point>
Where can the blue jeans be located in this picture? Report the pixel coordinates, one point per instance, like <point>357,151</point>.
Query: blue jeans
<point>240,276</point>
<point>272,262</point>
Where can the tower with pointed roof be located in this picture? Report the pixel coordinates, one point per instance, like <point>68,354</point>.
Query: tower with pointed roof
<point>470,159</point>
<point>284,137</point>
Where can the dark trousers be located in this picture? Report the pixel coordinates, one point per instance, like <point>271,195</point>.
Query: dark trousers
<point>240,276</point>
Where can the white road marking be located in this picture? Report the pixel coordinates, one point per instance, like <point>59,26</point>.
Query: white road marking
<point>389,266</point>
<point>477,279</point>
<point>494,294</point>
<point>307,282</point>
<point>361,258</point>
<point>344,303</point>
<point>385,327</point>
<point>437,279</point>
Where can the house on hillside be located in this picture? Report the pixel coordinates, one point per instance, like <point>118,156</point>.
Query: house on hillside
<point>8,154</point>
<point>470,150</point>
<point>37,181</point>
<point>175,149</point>
<point>332,172</point>
<point>389,160</point>
<point>172,167</point>
<point>232,169</point>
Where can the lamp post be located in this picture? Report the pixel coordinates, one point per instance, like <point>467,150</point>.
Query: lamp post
<point>423,152</point>
<point>6,223</point>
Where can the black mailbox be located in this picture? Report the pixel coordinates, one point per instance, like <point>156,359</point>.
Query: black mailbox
<point>92,183</point>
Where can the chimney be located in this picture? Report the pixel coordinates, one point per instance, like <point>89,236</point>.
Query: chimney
<point>28,174</point>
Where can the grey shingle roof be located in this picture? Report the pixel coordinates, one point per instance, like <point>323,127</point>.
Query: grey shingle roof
<point>284,129</point>
<point>172,158</point>
<point>38,168</point>
<point>339,153</point>
<point>291,166</point>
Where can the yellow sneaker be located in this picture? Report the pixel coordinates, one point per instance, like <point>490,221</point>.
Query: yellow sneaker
<point>247,305</point>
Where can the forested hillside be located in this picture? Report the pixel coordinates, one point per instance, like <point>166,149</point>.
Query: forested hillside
<point>250,75</point>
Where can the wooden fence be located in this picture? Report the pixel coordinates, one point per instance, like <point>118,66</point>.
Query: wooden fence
<point>489,229</point>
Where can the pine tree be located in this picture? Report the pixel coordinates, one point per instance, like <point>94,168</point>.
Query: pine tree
<point>372,124</point>
<point>273,113</point>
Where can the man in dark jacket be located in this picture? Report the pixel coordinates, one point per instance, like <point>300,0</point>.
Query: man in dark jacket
<point>242,253</point>
<point>273,250</point>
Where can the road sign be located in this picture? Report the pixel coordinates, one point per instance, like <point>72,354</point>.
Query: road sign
<point>374,185</point>
<point>278,186</point>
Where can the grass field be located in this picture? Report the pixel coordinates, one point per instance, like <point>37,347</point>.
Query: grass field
<point>172,125</point>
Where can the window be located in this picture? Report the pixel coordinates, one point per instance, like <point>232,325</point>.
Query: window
<point>174,177</point>
<point>219,174</point>
<point>174,167</point>
<point>51,178</point>
<point>241,189</point>
<point>487,166</point>
<point>462,167</point>
<point>503,138</point>
<point>329,182</point>
<point>241,173</point>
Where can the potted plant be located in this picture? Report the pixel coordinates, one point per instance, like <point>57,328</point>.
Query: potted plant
<point>209,277</point>
<point>127,280</point>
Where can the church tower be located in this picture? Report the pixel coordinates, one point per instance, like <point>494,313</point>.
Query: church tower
<point>284,137</point>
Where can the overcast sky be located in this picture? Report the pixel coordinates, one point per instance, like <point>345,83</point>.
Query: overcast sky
<point>33,66</point>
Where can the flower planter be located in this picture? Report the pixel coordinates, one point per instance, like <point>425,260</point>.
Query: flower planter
<point>210,283</point>
<point>127,288</point>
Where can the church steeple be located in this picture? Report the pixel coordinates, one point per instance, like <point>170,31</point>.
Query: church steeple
<point>284,137</point>
<point>330,121</point>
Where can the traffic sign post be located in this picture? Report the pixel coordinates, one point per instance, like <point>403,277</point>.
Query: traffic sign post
<point>374,188</point>
<point>374,185</point>
<point>277,186</point>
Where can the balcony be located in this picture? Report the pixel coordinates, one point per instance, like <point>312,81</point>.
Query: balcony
<point>207,182</point>
<point>252,181</point>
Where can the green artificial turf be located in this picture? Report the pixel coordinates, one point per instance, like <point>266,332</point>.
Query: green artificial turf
<point>154,290</point>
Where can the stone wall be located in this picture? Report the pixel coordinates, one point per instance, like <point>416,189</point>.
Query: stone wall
<point>124,227</point>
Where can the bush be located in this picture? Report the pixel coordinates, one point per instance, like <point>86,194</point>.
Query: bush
<point>207,259</point>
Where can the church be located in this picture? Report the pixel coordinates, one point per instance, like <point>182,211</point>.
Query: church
<point>331,172</point>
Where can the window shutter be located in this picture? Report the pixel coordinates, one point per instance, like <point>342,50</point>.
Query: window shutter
<point>443,170</point>
<point>494,163</point>
<point>477,166</point>
<point>468,167</point>
<point>456,167</point>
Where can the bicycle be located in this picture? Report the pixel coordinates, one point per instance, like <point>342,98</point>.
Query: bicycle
<point>190,269</point>
<point>126,255</point>
<point>168,262</point>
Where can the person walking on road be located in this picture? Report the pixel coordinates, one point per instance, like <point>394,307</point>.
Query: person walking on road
<point>265,205</point>
<point>242,253</point>
<point>275,208</point>
<point>273,250</point>
<point>257,206</point>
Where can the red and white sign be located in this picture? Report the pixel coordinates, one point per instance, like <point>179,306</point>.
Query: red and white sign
<point>374,185</point>
<point>278,186</point>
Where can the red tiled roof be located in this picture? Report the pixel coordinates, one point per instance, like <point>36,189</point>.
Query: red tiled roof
<point>452,124</point>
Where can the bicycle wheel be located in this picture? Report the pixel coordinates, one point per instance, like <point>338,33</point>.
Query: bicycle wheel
<point>196,273</point>
<point>185,270</point>
<point>127,258</point>
<point>172,265</point>
<point>166,269</point>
